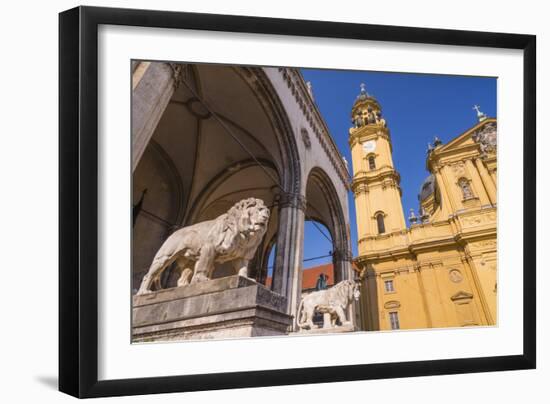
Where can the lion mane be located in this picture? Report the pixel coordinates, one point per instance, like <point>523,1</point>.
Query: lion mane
<point>333,301</point>
<point>231,237</point>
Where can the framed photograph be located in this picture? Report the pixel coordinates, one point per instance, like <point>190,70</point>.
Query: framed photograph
<point>252,202</point>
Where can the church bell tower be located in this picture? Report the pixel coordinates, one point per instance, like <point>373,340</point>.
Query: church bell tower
<point>375,180</point>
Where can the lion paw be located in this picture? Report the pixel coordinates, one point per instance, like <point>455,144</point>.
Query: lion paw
<point>144,292</point>
<point>199,278</point>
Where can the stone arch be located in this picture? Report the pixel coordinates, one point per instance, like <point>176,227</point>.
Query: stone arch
<point>201,202</point>
<point>263,126</point>
<point>465,186</point>
<point>323,205</point>
<point>258,80</point>
<point>162,207</point>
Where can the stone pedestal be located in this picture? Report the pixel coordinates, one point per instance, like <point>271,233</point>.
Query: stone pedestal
<point>230,307</point>
<point>328,330</point>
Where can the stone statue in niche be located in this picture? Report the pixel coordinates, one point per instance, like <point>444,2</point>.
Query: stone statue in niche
<point>231,237</point>
<point>379,119</point>
<point>332,303</point>
<point>365,117</point>
<point>464,184</point>
<point>371,116</point>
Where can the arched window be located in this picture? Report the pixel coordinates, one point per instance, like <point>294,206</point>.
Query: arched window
<point>380,223</point>
<point>464,185</point>
<point>372,163</point>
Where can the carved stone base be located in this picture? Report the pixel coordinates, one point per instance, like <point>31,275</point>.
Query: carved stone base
<point>230,307</point>
<point>328,330</point>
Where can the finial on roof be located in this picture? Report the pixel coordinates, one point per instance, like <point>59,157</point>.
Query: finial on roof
<point>480,115</point>
<point>412,217</point>
<point>430,148</point>
<point>310,89</point>
<point>363,95</point>
<point>345,162</point>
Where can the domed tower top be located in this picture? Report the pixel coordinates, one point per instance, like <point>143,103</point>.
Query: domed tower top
<point>366,110</point>
<point>375,180</point>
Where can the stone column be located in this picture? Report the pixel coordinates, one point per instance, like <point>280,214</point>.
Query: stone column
<point>483,193</point>
<point>486,311</point>
<point>447,202</point>
<point>287,275</point>
<point>435,314</point>
<point>493,174</point>
<point>362,211</point>
<point>451,185</point>
<point>342,270</point>
<point>342,264</point>
<point>487,181</point>
<point>153,85</point>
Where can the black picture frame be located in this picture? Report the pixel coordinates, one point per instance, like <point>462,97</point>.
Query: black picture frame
<point>78,201</point>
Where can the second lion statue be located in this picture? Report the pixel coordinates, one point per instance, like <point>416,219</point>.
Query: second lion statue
<point>231,237</point>
<point>333,301</point>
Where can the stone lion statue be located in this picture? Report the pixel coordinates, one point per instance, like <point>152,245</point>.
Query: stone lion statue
<point>333,301</point>
<point>231,237</point>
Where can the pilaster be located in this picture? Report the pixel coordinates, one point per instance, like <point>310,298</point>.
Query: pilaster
<point>152,88</point>
<point>287,275</point>
<point>482,193</point>
<point>487,181</point>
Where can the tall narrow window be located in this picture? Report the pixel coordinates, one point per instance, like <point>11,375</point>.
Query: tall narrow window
<point>380,223</point>
<point>394,320</point>
<point>372,163</point>
<point>464,185</point>
<point>388,286</point>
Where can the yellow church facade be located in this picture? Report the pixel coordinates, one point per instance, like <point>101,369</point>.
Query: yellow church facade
<point>441,271</point>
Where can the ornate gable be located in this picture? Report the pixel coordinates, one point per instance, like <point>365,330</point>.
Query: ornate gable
<point>484,131</point>
<point>479,140</point>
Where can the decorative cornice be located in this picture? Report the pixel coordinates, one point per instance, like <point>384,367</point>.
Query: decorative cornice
<point>359,187</point>
<point>258,79</point>
<point>288,199</point>
<point>481,133</point>
<point>414,265</point>
<point>368,132</point>
<point>298,88</point>
<point>305,138</point>
<point>177,73</point>
<point>343,255</point>
<point>380,175</point>
<point>461,239</point>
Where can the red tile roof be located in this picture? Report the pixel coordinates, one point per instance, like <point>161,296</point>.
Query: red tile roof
<point>310,276</point>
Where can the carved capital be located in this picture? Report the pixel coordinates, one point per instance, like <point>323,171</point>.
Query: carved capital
<point>360,189</point>
<point>177,73</point>
<point>292,200</point>
<point>342,255</point>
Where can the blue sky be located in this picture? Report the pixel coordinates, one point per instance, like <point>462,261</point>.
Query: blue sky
<point>417,107</point>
